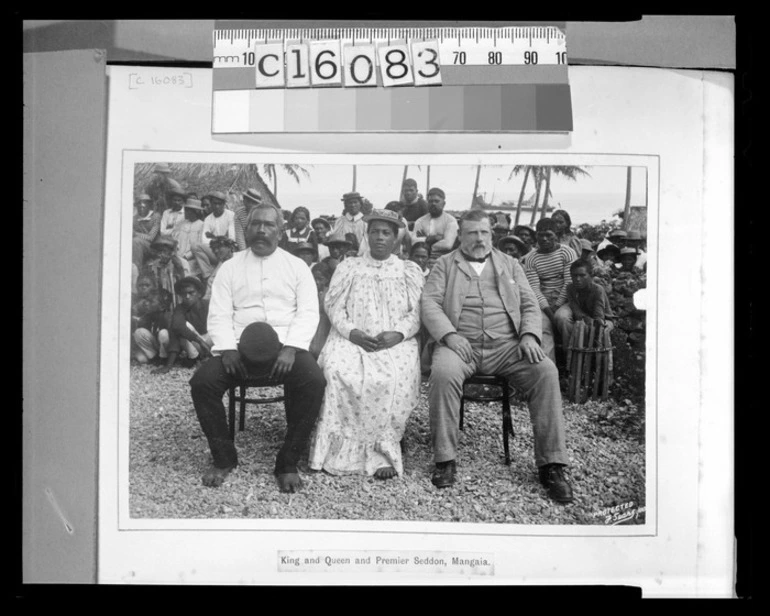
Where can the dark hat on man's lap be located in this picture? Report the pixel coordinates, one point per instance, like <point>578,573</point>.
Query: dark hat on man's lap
<point>259,344</point>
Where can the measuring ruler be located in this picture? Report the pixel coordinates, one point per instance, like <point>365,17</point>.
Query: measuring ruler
<point>506,79</point>
<point>471,47</point>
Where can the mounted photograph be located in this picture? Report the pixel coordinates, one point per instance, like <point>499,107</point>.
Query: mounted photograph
<point>441,343</point>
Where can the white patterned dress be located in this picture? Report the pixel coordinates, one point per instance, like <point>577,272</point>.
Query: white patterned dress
<point>369,395</point>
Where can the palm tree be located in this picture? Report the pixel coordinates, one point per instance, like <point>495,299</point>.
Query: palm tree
<point>476,185</point>
<point>538,174</point>
<point>355,177</point>
<point>627,208</point>
<point>293,171</point>
<point>527,171</point>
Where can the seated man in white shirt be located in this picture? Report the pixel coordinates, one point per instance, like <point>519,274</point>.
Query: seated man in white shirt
<point>220,223</point>
<point>262,316</point>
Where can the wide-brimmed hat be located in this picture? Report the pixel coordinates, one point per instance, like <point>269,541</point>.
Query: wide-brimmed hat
<point>144,197</point>
<point>586,244</point>
<point>161,241</point>
<point>216,194</point>
<point>175,188</point>
<point>351,196</point>
<point>338,238</point>
<point>530,230</point>
<point>512,239</point>
<point>306,247</point>
<point>609,251</point>
<point>161,168</point>
<point>188,281</point>
<point>259,344</point>
<point>629,251</point>
<point>634,236</point>
<point>323,221</point>
<point>387,216</point>
<point>617,233</point>
<point>193,204</point>
<point>252,196</point>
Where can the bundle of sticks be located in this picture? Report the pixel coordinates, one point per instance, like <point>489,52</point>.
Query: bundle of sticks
<point>589,358</point>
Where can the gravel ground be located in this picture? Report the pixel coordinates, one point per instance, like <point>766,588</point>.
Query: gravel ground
<point>168,454</point>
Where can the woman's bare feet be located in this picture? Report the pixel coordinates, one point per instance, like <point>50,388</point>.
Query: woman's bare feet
<point>289,482</point>
<point>214,477</point>
<point>386,472</point>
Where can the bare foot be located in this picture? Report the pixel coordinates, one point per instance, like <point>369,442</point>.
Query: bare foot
<point>161,370</point>
<point>289,482</point>
<point>386,472</point>
<point>214,477</point>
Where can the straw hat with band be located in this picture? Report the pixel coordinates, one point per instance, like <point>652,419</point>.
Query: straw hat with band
<point>216,194</point>
<point>252,196</point>
<point>386,216</point>
<point>323,221</point>
<point>306,247</point>
<point>351,196</point>
<point>338,238</point>
<point>512,239</point>
<point>193,204</point>
<point>586,245</point>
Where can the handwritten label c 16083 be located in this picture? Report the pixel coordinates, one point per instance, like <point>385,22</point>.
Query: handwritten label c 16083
<point>177,80</point>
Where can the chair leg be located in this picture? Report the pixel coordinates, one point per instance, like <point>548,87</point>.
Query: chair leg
<point>507,423</point>
<point>231,412</point>
<point>462,410</point>
<point>242,423</point>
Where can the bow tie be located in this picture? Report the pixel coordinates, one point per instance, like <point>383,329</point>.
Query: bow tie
<point>475,260</point>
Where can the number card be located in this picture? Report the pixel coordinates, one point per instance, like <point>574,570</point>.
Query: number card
<point>360,65</point>
<point>325,65</point>
<point>394,65</point>
<point>297,66</point>
<point>425,59</point>
<point>270,72</point>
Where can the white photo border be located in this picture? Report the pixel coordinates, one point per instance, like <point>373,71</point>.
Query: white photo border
<point>115,403</point>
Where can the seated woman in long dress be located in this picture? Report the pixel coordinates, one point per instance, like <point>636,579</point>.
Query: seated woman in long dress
<point>371,359</point>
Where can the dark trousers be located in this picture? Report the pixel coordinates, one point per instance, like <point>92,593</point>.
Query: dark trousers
<point>304,387</point>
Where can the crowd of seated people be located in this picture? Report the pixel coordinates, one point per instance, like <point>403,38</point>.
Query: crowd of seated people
<point>355,302</point>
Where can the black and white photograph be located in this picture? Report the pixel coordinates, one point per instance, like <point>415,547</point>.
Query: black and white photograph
<point>508,390</point>
<point>438,358</point>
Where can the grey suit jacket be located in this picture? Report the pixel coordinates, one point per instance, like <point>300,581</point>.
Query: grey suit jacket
<point>449,282</point>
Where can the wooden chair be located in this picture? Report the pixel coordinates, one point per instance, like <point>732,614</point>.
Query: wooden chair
<point>493,381</point>
<point>240,397</point>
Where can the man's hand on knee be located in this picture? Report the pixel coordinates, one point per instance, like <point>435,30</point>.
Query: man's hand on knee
<point>233,364</point>
<point>460,345</point>
<point>531,349</point>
